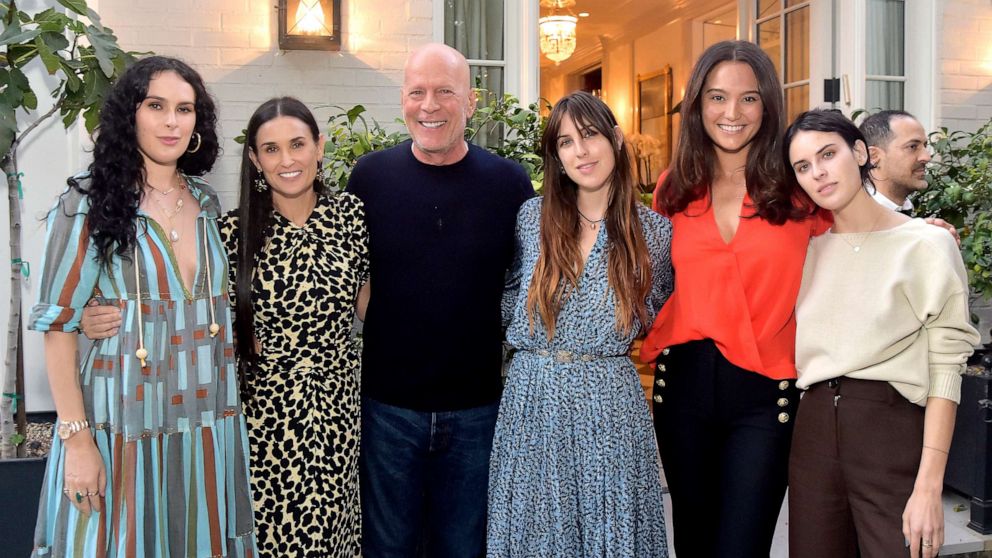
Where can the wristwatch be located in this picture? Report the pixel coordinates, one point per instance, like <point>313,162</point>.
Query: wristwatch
<point>66,429</point>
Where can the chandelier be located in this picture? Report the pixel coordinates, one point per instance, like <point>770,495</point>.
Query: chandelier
<point>557,31</point>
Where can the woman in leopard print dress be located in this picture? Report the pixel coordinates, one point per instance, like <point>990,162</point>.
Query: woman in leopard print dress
<point>308,260</point>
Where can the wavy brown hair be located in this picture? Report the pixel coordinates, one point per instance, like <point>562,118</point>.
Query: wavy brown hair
<point>691,173</point>
<point>559,264</point>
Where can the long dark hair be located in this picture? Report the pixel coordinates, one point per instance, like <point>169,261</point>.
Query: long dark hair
<point>691,172</point>
<point>255,218</point>
<point>118,172</point>
<point>559,263</point>
<point>829,121</point>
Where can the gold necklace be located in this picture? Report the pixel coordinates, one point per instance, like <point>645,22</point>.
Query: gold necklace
<point>171,214</point>
<point>862,237</point>
<point>164,193</point>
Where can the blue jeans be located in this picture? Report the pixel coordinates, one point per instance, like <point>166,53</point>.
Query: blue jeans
<point>425,481</point>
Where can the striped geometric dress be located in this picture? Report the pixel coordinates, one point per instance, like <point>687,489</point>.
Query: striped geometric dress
<point>171,433</point>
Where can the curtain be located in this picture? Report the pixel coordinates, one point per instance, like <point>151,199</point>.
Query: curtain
<point>475,28</point>
<point>886,29</point>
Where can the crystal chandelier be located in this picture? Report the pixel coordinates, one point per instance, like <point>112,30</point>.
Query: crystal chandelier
<point>557,31</point>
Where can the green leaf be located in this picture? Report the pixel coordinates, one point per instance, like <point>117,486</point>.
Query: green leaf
<point>91,118</point>
<point>72,81</point>
<point>55,41</point>
<point>51,60</point>
<point>69,117</point>
<point>78,6</point>
<point>354,113</point>
<point>95,86</point>
<point>30,101</point>
<point>104,47</point>
<point>13,34</point>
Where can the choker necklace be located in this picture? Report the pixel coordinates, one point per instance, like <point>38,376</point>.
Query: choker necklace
<point>861,238</point>
<point>593,223</point>
<point>171,213</point>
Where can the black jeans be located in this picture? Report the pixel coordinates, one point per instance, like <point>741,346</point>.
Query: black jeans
<point>724,435</point>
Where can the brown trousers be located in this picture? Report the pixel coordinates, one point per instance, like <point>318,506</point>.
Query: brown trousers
<point>855,454</point>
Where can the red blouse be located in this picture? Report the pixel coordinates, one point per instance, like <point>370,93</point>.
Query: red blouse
<point>740,294</point>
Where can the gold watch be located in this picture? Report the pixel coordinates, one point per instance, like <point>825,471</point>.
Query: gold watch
<point>66,429</point>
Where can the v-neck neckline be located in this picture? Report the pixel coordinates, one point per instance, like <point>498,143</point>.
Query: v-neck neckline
<point>188,290</point>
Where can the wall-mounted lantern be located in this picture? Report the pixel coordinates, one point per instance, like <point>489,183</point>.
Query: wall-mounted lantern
<point>309,24</point>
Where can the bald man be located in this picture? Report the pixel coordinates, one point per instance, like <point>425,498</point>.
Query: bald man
<point>441,215</point>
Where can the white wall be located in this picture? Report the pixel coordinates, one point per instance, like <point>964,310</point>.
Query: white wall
<point>233,44</point>
<point>965,90</point>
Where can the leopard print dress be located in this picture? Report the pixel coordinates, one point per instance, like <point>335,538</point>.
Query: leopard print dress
<point>303,404</point>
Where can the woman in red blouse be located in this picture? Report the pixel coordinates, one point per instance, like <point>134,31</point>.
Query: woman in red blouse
<point>725,392</point>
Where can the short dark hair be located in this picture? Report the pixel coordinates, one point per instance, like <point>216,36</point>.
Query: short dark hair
<point>819,120</point>
<point>877,128</point>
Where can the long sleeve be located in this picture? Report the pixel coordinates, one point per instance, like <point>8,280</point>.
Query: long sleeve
<point>511,288</point>
<point>941,302</point>
<point>69,267</point>
<point>658,235</point>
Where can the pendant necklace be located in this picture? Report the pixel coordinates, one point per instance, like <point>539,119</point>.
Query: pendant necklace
<point>171,214</point>
<point>593,223</point>
<point>861,238</point>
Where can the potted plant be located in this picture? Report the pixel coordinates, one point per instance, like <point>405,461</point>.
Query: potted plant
<point>960,192</point>
<point>84,56</point>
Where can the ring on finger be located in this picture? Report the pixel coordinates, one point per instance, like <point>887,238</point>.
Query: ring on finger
<point>91,493</point>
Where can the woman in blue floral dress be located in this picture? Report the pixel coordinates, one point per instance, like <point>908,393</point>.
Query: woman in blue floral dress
<point>574,469</point>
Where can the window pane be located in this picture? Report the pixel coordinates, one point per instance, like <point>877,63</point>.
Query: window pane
<point>791,3</point>
<point>886,37</point>
<point>475,28</point>
<point>884,95</point>
<point>770,41</point>
<point>768,7</point>
<point>797,45</point>
<point>490,80</point>
<point>796,101</point>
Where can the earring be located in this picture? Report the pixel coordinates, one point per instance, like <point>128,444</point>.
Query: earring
<point>561,168</point>
<point>321,175</point>
<point>198,142</point>
<point>259,184</point>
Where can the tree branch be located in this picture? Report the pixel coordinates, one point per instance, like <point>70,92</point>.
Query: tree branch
<point>20,137</point>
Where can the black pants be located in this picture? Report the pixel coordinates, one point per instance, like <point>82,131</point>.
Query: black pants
<point>724,435</point>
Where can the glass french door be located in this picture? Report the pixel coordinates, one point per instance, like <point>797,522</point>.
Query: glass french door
<point>798,36</point>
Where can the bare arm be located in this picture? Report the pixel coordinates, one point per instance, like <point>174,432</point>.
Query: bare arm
<point>362,302</point>
<point>923,518</point>
<point>85,473</point>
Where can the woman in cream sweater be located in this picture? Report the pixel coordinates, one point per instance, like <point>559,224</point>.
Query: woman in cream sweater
<point>883,336</point>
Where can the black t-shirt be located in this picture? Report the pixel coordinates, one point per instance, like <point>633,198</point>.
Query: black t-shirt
<point>440,242</point>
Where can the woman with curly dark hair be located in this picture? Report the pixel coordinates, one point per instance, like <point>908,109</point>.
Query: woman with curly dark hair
<point>150,456</point>
<point>724,393</point>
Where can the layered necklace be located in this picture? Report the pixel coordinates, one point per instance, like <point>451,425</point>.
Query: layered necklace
<point>170,212</point>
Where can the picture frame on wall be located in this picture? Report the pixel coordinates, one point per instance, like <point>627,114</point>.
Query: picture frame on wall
<point>653,125</point>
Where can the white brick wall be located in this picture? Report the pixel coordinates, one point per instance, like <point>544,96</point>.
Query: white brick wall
<point>965,89</point>
<point>233,43</point>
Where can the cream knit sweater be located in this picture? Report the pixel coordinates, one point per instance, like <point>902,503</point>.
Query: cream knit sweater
<point>895,311</point>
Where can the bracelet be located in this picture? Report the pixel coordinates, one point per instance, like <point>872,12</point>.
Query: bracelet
<point>945,452</point>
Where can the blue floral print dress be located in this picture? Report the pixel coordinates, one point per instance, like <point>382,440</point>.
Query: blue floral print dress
<point>575,469</point>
